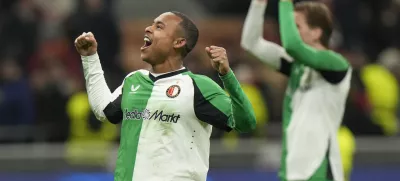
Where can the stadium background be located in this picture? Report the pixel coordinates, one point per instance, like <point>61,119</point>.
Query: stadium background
<point>48,133</point>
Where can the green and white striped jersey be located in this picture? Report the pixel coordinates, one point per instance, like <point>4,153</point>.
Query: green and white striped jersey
<point>167,122</point>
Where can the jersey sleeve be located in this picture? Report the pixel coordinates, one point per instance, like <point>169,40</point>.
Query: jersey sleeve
<point>253,42</point>
<point>104,104</point>
<point>324,60</point>
<point>98,91</point>
<point>113,111</point>
<point>213,106</point>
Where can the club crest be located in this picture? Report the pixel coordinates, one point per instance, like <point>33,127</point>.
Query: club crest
<point>173,91</point>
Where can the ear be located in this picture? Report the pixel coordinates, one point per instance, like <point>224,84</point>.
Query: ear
<point>316,34</point>
<point>179,43</point>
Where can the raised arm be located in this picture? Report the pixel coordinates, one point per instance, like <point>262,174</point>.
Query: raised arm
<point>243,117</point>
<point>214,106</point>
<point>104,104</point>
<point>252,37</point>
<point>299,50</point>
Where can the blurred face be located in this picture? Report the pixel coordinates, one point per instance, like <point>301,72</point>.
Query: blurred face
<point>161,39</point>
<point>309,35</point>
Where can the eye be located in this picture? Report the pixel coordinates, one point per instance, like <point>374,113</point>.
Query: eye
<point>158,27</point>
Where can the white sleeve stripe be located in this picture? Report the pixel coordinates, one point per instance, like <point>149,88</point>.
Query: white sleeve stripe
<point>116,93</point>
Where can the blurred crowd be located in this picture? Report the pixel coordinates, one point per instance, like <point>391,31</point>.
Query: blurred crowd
<point>42,89</point>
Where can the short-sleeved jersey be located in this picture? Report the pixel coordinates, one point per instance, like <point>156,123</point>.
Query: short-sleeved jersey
<point>167,122</point>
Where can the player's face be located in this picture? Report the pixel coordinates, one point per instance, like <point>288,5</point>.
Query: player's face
<point>159,38</point>
<point>309,35</point>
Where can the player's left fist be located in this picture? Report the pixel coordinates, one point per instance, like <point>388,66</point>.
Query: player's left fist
<point>219,59</point>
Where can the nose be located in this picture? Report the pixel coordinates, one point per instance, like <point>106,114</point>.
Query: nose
<point>148,29</point>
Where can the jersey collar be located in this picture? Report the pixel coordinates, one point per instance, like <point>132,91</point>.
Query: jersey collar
<point>170,74</point>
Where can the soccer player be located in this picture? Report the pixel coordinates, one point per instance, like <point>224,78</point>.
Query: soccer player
<point>319,81</point>
<point>167,113</point>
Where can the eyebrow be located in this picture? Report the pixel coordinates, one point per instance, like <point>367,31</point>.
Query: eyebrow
<point>159,22</point>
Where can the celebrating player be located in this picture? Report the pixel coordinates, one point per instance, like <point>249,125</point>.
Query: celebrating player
<point>319,81</point>
<point>167,114</point>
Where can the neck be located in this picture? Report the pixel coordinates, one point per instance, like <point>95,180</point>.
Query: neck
<point>319,46</point>
<point>169,65</point>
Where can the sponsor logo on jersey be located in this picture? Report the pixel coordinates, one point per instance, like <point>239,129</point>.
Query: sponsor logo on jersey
<point>134,89</point>
<point>149,115</point>
<point>173,91</point>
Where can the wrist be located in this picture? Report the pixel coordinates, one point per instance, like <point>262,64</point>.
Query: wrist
<point>90,58</point>
<point>224,75</point>
<point>229,80</point>
<point>224,72</point>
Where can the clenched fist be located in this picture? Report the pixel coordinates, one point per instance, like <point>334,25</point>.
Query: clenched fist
<point>86,44</point>
<point>219,59</point>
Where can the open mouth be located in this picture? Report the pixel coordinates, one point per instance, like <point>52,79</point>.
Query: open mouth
<point>147,42</point>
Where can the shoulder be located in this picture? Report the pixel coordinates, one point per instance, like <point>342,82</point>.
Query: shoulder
<point>204,83</point>
<point>334,56</point>
<point>141,71</point>
<point>202,80</point>
<point>336,61</point>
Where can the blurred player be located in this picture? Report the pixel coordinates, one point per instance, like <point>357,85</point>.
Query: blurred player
<point>167,114</point>
<point>319,81</point>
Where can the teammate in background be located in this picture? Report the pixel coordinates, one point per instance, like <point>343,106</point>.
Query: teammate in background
<point>167,114</point>
<point>319,81</point>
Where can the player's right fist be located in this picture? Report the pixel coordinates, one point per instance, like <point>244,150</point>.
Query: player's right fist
<point>86,44</point>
